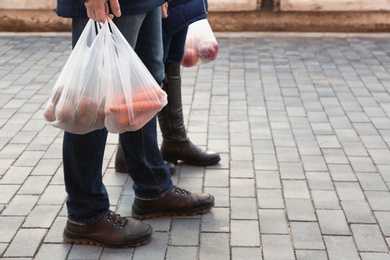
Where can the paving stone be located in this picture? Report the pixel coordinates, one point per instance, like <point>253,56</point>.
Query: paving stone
<point>243,208</point>
<point>84,252</point>
<point>311,254</point>
<point>277,247</point>
<point>241,169</point>
<point>53,194</point>
<point>221,196</point>
<point>239,238</point>
<point>384,222</point>
<point>46,167</point>
<point>287,154</point>
<point>3,246</point>
<point>265,162</point>
<point>9,226</point>
<point>29,158</point>
<point>333,222</point>
<point>295,189</point>
<point>300,210</point>
<point>358,212</point>
<point>292,171</point>
<point>362,164</point>
<point>306,235</point>
<point>53,251</point>
<point>20,205</point>
<point>34,185</point>
<point>155,249</point>
<point>54,235</point>
<point>369,238</point>
<point>252,253</point>
<point>16,175</point>
<point>375,256</point>
<point>268,180</point>
<point>270,198</point>
<point>185,232</point>
<point>219,178</point>
<point>176,252</point>
<point>313,163</point>
<point>378,200</point>
<point>242,187</point>
<point>354,148</point>
<point>273,221</point>
<point>349,191</point>
<point>25,243</point>
<point>341,172</point>
<point>319,181</point>
<point>7,192</point>
<point>217,220</point>
<point>214,246</point>
<point>42,216</point>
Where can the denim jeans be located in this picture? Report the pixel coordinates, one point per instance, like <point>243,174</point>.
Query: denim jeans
<point>87,199</point>
<point>174,46</point>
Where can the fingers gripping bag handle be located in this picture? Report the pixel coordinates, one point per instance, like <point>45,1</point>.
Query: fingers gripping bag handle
<point>76,103</point>
<point>133,96</point>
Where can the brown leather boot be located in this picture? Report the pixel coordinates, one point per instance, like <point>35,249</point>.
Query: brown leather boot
<point>178,202</point>
<point>176,145</point>
<point>120,165</point>
<point>111,231</point>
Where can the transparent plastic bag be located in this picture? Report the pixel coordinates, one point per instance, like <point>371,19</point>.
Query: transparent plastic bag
<point>104,84</point>
<point>133,96</point>
<point>76,103</point>
<point>201,45</point>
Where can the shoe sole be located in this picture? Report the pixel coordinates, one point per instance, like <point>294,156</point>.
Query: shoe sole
<point>92,242</point>
<point>172,213</point>
<point>194,163</point>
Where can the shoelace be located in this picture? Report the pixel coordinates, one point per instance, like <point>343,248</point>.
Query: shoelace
<point>117,218</point>
<point>181,191</point>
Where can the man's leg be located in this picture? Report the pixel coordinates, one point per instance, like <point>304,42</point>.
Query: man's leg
<point>89,219</point>
<point>155,193</point>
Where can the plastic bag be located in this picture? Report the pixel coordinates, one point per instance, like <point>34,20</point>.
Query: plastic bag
<point>201,45</point>
<point>133,96</point>
<point>104,84</point>
<point>76,103</point>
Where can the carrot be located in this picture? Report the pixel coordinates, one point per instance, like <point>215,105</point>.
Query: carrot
<point>136,106</point>
<point>147,94</point>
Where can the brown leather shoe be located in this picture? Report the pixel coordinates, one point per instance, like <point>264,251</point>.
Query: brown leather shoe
<point>177,202</point>
<point>111,231</point>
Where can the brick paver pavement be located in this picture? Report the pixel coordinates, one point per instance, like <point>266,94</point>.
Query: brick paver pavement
<point>302,122</point>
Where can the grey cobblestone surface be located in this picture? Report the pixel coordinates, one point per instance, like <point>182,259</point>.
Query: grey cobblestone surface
<point>302,122</point>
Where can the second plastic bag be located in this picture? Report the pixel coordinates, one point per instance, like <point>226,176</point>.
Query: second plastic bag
<point>201,45</point>
<point>133,96</point>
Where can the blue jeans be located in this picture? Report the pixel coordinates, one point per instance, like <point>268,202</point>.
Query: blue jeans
<point>174,46</point>
<point>87,199</point>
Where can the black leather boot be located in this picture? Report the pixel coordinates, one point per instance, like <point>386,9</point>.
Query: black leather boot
<point>120,165</point>
<point>176,145</point>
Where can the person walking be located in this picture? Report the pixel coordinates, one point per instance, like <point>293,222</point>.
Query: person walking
<point>89,219</point>
<point>175,143</point>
